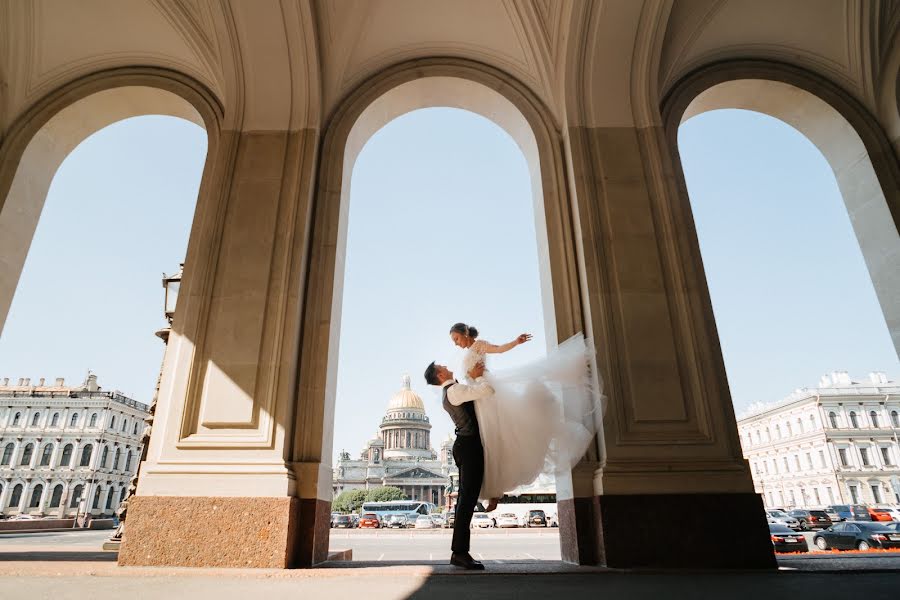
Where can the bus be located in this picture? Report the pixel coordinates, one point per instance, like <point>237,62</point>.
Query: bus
<point>411,508</point>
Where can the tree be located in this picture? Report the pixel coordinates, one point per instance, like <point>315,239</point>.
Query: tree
<point>348,502</point>
<point>385,494</point>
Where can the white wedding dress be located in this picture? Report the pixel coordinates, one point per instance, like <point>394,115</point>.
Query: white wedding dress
<point>541,418</point>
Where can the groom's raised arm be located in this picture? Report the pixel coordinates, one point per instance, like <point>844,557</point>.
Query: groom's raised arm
<point>461,392</point>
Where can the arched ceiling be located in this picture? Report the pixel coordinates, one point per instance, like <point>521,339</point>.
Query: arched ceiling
<point>276,64</point>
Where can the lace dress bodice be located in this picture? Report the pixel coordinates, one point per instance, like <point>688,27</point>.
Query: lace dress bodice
<point>474,354</point>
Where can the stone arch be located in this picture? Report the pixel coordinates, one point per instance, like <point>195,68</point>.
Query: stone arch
<point>400,89</point>
<point>849,137</point>
<point>43,136</point>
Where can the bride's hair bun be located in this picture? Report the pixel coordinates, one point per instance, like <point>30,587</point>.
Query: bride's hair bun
<point>465,330</point>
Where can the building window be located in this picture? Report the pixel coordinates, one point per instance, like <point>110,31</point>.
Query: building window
<point>128,461</point>
<point>109,498</point>
<point>46,455</point>
<point>854,494</point>
<point>778,431</point>
<point>122,494</point>
<point>895,418</point>
<point>56,496</point>
<point>66,459</point>
<point>116,460</point>
<point>73,420</point>
<point>7,454</point>
<point>34,419</point>
<point>854,420</point>
<point>822,458</point>
<point>93,421</point>
<point>104,457</point>
<point>135,429</point>
<point>112,423</point>
<point>876,492</point>
<point>886,456</point>
<point>26,455</point>
<point>76,496</point>
<point>790,430</point>
<point>16,419</point>
<point>787,467</point>
<point>816,493</point>
<point>812,422</point>
<point>86,456</point>
<point>842,454</point>
<point>124,424</point>
<point>16,497</point>
<point>864,455</point>
<point>96,503</point>
<point>55,420</point>
<point>874,417</point>
<point>36,496</point>
<point>833,419</point>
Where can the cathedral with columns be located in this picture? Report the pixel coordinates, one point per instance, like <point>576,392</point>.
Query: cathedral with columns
<point>400,454</point>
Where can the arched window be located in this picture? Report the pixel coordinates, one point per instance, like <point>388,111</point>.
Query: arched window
<point>874,416</point>
<point>16,497</point>
<point>56,496</point>
<point>73,420</point>
<point>96,503</point>
<point>833,419</point>
<point>135,429</point>
<point>799,425</point>
<point>93,420</point>
<point>54,421</point>
<point>854,420</point>
<point>812,422</point>
<point>46,455</point>
<point>112,422</point>
<point>128,461</point>
<point>66,458</point>
<point>7,454</point>
<point>778,431</point>
<point>86,456</point>
<point>104,457</point>
<point>27,454</point>
<point>122,493</point>
<point>109,498</point>
<point>790,430</point>
<point>124,424</point>
<point>36,496</point>
<point>76,496</point>
<point>116,460</point>
<point>16,419</point>
<point>895,418</point>
<point>408,439</point>
<point>34,419</point>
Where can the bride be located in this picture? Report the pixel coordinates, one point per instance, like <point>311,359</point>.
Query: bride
<point>541,417</point>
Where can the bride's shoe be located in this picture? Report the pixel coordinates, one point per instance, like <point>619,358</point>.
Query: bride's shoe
<point>492,505</point>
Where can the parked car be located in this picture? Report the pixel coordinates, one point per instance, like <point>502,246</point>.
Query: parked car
<point>893,510</point>
<point>895,526</point>
<point>355,518</point>
<point>553,520</point>
<point>880,514</point>
<point>508,520</point>
<point>450,521</point>
<point>397,522</point>
<point>858,535</point>
<point>832,514</point>
<point>333,517</point>
<point>438,520</point>
<point>785,539</point>
<point>482,520</point>
<point>369,521</point>
<point>851,512</point>
<point>811,519</point>
<point>343,522</point>
<point>536,518</point>
<point>24,517</point>
<point>424,522</point>
<point>779,517</point>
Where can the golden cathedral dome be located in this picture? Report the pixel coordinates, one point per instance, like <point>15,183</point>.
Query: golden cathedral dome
<point>406,398</point>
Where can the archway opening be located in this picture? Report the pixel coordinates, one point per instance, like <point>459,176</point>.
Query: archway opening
<point>100,205</point>
<point>434,220</point>
<point>801,256</point>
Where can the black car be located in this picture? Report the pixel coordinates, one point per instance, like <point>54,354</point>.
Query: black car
<point>857,535</point>
<point>343,522</point>
<point>536,518</point>
<point>785,539</point>
<point>811,519</point>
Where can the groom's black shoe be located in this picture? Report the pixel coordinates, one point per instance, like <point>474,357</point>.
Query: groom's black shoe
<point>458,559</point>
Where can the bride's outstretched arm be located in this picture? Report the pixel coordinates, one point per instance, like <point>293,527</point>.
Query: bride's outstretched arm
<point>489,348</point>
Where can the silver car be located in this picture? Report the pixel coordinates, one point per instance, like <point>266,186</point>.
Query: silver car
<point>782,518</point>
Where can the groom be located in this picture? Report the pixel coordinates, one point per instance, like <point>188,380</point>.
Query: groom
<point>458,401</point>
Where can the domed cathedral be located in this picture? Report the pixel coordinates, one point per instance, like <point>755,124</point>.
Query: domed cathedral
<point>400,455</point>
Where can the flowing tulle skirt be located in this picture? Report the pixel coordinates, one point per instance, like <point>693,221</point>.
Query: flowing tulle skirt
<point>541,419</point>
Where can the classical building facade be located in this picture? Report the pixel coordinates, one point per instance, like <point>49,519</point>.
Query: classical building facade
<point>66,449</point>
<point>593,92</point>
<point>400,455</point>
<point>833,444</point>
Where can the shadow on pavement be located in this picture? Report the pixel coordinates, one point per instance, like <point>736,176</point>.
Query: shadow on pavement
<point>58,556</point>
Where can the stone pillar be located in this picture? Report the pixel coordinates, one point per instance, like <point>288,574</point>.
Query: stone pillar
<point>670,439</point>
<point>45,494</point>
<point>221,485</point>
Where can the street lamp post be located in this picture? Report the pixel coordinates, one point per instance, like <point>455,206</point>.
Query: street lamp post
<point>171,284</point>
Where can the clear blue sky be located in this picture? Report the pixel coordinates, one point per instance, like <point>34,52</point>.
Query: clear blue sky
<point>442,229</point>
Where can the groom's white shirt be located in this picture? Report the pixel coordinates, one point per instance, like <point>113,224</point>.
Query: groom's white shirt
<point>462,392</point>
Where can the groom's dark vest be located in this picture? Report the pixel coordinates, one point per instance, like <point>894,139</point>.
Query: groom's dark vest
<point>463,416</point>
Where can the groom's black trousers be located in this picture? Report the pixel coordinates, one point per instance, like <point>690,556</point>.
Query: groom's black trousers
<point>469,456</point>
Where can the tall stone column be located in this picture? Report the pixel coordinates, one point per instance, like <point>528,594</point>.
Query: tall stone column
<point>218,486</point>
<point>670,437</point>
